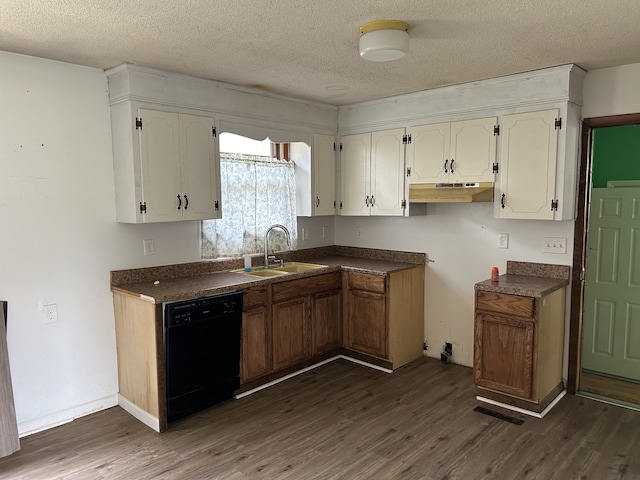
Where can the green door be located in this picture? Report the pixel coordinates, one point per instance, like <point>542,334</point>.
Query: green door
<point>611,317</point>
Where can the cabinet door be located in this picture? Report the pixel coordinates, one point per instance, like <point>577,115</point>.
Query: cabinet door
<point>503,354</point>
<point>199,168</point>
<point>255,357</point>
<point>528,165</point>
<point>473,150</point>
<point>324,175</point>
<point>326,322</point>
<point>427,153</point>
<point>355,174</point>
<point>387,172</point>
<point>160,165</point>
<point>289,321</point>
<point>366,322</point>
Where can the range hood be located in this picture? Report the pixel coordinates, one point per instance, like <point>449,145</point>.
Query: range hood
<point>451,192</point>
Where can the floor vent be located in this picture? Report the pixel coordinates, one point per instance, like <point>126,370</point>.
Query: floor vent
<point>501,416</point>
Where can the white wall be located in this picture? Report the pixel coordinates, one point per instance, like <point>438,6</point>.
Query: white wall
<point>611,91</point>
<point>60,240</point>
<point>462,241</point>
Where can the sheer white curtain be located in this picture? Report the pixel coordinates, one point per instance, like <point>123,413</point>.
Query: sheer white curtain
<point>257,192</point>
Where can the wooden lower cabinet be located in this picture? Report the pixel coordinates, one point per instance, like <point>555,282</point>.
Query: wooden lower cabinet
<point>287,323</point>
<point>518,345</point>
<point>366,323</point>
<point>255,353</point>
<point>384,314</point>
<point>256,358</point>
<point>290,326</point>
<point>326,322</point>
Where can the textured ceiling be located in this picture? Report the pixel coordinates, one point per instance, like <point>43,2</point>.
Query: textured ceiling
<point>309,48</point>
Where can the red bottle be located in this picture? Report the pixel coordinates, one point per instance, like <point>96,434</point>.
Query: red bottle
<point>494,274</point>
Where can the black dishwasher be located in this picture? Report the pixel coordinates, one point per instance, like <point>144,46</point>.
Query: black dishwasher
<point>202,346</point>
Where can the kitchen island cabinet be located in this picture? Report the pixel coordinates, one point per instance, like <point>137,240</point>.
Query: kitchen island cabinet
<point>519,338</point>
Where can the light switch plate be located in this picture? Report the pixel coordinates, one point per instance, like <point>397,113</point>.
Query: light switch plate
<point>554,245</point>
<point>149,247</point>
<point>503,240</point>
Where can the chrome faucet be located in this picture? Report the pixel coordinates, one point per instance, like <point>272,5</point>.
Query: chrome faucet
<point>268,257</point>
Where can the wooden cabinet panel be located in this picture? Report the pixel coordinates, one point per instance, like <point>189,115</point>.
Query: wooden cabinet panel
<point>368,282</point>
<point>326,322</point>
<point>289,324</point>
<point>504,354</point>
<point>254,297</point>
<point>507,304</point>
<point>366,322</point>
<point>305,286</point>
<point>256,352</point>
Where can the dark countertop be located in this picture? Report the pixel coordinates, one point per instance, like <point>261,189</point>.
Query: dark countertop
<point>528,279</point>
<point>194,285</point>
<point>523,285</point>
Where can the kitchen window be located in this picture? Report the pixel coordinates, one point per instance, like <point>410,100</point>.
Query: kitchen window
<point>258,190</point>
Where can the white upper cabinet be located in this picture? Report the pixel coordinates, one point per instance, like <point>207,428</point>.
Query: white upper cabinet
<point>166,166</point>
<point>456,152</point>
<point>355,168</point>
<point>324,175</point>
<point>529,149</point>
<point>372,173</point>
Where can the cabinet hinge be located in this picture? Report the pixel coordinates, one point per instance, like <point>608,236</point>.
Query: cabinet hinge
<point>558,123</point>
<point>214,133</point>
<point>496,130</point>
<point>143,207</point>
<point>495,167</point>
<point>582,276</point>
<point>406,139</point>
<point>408,171</point>
<point>554,205</point>
<point>138,123</point>
<point>404,204</point>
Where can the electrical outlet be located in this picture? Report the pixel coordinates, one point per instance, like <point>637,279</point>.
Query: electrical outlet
<point>325,229</point>
<point>358,232</point>
<point>305,233</point>
<point>503,240</point>
<point>554,245</point>
<point>51,313</point>
<point>149,247</point>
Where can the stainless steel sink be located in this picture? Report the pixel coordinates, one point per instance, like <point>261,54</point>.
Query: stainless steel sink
<point>288,267</point>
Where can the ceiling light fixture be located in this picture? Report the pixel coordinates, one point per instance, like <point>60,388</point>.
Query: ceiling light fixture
<point>384,40</point>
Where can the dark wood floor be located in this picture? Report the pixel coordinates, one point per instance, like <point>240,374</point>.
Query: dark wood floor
<point>345,421</point>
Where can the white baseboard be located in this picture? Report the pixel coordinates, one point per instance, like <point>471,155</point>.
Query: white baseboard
<point>65,416</point>
<point>145,417</point>
<point>522,410</point>
<point>311,367</point>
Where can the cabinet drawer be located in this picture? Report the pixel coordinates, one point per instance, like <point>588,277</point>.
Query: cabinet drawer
<point>306,286</point>
<point>254,297</point>
<point>505,303</point>
<point>370,283</point>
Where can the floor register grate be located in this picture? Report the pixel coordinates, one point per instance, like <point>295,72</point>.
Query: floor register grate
<point>501,416</point>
